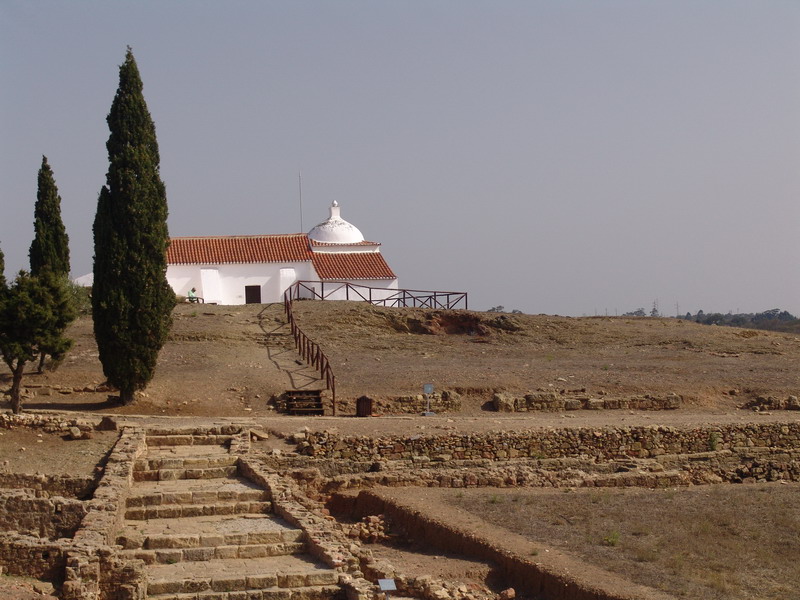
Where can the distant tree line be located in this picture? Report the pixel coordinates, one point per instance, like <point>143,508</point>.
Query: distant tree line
<point>501,309</point>
<point>772,320</point>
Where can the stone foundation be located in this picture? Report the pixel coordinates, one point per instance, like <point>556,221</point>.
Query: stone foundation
<point>601,443</point>
<point>33,557</point>
<point>555,402</point>
<point>49,485</point>
<point>50,518</point>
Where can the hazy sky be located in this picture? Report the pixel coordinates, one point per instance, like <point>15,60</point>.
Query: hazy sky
<point>556,157</point>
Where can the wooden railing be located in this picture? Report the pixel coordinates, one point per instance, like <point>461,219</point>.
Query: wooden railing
<point>308,349</point>
<point>333,290</point>
<point>311,352</point>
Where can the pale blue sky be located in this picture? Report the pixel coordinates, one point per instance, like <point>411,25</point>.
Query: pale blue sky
<point>558,157</point>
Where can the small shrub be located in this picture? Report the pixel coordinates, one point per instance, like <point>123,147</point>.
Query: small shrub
<point>612,539</point>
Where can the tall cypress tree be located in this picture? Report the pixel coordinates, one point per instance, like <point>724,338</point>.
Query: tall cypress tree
<point>131,300</point>
<point>50,246</point>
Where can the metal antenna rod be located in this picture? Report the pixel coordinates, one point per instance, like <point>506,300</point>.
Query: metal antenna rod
<point>300,185</point>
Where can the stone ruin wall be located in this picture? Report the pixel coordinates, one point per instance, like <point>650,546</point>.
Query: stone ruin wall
<point>80,488</point>
<point>602,443</point>
<point>62,539</point>
<point>579,400</point>
<point>48,518</point>
<point>33,557</point>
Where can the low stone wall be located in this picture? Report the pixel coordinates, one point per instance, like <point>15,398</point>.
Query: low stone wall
<point>50,518</point>
<point>324,540</point>
<point>33,557</point>
<point>49,485</point>
<point>762,403</point>
<point>445,402</point>
<point>46,422</point>
<point>555,402</point>
<point>89,572</point>
<point>599,443</point>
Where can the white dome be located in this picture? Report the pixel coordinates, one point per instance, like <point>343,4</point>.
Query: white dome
<point>336,230</point>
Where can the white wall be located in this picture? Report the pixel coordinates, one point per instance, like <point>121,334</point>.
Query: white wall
<point>234,278</point>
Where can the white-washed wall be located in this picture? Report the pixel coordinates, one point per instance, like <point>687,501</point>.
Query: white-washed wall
<point>234,278</point>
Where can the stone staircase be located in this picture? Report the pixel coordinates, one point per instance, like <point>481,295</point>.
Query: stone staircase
<point>205,533</point>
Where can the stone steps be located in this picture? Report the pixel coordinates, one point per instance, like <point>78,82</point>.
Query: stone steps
<point>187,440</point>
<point>173,511</point>
<point>328,592</point>
<point>171,461</point>
<point>189,473</point>
<point>208,531</point>
<point>203,533</point>
<point>193,491</point>
<point>174,555</point>
<point>238,575</point>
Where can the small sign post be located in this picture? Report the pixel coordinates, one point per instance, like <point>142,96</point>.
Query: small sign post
<point>387,585</point>
<point>427,389</point>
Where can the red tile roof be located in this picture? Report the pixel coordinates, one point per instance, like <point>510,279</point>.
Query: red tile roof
<point>351,265</point>
<point>294,247</point>
<point>239,249</point>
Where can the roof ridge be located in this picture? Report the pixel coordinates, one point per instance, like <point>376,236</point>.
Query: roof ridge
<point>228,237</point>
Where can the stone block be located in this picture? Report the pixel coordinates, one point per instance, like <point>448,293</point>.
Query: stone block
<point>226,551</point>
<point>260,582</point>
<point>197,554</point>
<point>292,580</point>
<point>229,584</point>
<point>212,540</point>
<point>254,551</point>
<point>168,557</point>
<point>277,594</point>
<point>164,587</point>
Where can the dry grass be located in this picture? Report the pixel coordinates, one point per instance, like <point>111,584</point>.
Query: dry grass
<point>716,542</point>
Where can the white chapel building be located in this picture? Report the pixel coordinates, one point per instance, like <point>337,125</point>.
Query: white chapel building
<point>259,268</point>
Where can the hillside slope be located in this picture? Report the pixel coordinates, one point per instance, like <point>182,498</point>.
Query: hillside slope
<point>229,360</point>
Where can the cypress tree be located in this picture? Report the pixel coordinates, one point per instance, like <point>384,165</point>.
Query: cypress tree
<point>131,300</point>
<point>50,246</point>
<point>49,250</point>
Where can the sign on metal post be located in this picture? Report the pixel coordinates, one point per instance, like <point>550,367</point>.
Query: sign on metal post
<point>387,585</point>
<point>427,389</point>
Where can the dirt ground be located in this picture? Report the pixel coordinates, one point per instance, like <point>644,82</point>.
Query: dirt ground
<point>228,361</point>
<point>723,541</point>
<point>29,451</point>
<point>225,363</point>
<point>23,588</point>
